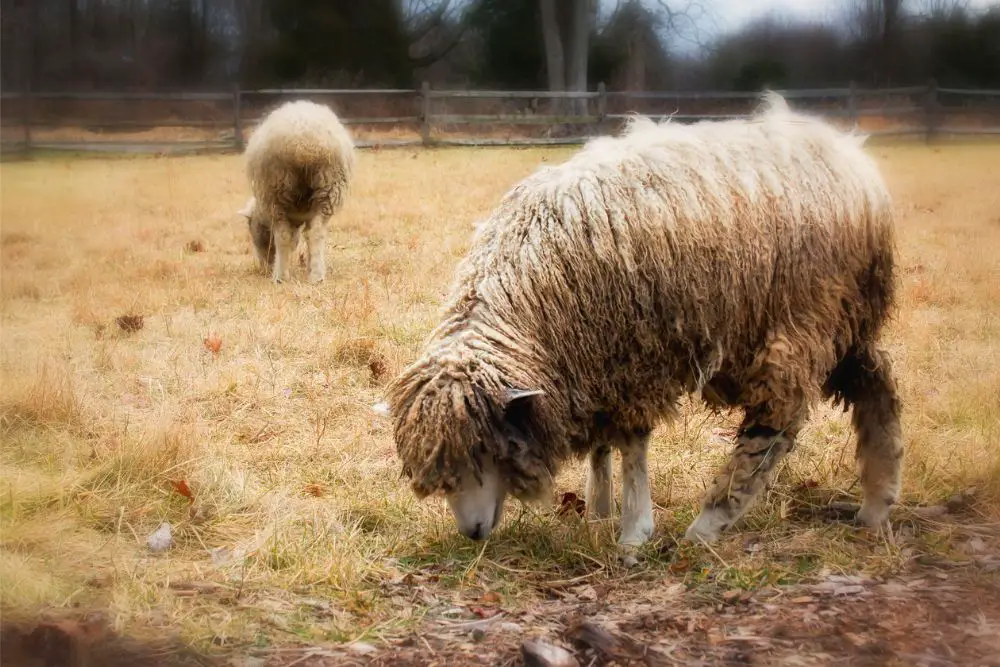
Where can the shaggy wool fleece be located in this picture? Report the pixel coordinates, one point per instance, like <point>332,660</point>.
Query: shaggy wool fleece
<point>743,259</point>
<point>299,162</point>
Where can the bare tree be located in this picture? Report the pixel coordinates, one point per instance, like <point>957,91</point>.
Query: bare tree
<point>875,25</point>
<point>435,28</point>
<point>554,57</point>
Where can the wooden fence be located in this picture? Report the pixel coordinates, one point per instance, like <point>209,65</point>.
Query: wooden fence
<point>219,121</point>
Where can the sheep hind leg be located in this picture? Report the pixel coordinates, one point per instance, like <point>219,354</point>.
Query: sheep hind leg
<point>599,493</point>
<point>637,503</point>
<point>865,381</point>
<point>760,447</point>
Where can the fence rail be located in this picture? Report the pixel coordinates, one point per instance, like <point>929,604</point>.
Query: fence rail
<point>165,121</point>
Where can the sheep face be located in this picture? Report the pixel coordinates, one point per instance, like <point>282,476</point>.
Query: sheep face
<point>260,232</point>
<point>477,502</point>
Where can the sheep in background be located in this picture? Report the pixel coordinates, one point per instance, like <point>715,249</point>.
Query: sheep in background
<point>751,261</point>
<point>299,162</point>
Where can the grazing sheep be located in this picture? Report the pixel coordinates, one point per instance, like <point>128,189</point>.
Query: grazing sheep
<point>299,162</point>
<point>750,261</point>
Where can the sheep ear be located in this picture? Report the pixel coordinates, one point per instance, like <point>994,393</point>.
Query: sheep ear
<point>518,412</point>
<point>247,209</point>
<point>512,395</point>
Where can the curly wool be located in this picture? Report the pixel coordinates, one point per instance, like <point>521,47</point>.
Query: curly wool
<point>670,260</point>
<point>299,162</point>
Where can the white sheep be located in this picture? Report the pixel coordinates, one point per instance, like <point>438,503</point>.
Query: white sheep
<point>751,261</point>
<point>299,162</point>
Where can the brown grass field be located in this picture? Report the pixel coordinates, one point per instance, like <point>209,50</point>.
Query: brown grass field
<point>239,413</point>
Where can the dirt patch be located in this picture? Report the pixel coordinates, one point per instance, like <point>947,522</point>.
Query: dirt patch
<point>929,618</point>
<point>85,640</point>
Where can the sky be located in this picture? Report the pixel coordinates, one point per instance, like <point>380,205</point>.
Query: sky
<point>733,14</point>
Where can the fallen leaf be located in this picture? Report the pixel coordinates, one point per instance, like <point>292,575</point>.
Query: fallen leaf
<point>732,595</point>
<point>490,597</point>
<point>680,566</point>
<point>378,367</point>
<point>314,490</point>
<point>181,487</point>
<point>129,323</point>
<point>484,612</point>
<point>572,503</point>
<point>213,344</point>
<point>802,599</point>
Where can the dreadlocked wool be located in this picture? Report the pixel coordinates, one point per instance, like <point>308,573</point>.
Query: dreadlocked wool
<point>745,260</point>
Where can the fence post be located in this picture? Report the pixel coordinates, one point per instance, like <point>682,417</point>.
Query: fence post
<point>930,110</point>
<point>602,103</point>
<point>425,113</point>
<point>852,104</point>
<point>26,110</point>
<point>237,118</point>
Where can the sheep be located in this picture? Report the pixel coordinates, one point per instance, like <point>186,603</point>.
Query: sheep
<point>299,161</point>
<point>747,262</point>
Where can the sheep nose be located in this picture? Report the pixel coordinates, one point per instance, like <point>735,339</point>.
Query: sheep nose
<point>476,533</point>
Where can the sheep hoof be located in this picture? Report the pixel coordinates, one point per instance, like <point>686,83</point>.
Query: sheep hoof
<point>629,555</point>
<point>707,526</point>
<point>873,513</point>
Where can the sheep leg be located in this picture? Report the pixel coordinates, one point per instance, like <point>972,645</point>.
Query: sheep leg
<point>263,243</point>
<point>763,440</point>
<point>316,245</point>
<point>599,482</point>
<point>637,505</point>
<point>284,243</point>
<point>865,381</point>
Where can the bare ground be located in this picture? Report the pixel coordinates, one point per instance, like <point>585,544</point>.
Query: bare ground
<point>927,616</point>
<point>931,612</point>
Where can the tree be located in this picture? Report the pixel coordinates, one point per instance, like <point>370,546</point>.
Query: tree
<point>875,25</point>
<point>566,27</point>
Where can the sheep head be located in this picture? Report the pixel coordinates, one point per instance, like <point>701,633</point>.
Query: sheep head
<point>471,438</point>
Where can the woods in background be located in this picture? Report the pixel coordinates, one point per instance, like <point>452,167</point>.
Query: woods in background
<point>512,44</point>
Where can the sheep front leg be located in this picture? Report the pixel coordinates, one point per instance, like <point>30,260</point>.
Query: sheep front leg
<point>284,244</point>
<point>599,482</point>
<point>316,245</point>
<point>637,504</point>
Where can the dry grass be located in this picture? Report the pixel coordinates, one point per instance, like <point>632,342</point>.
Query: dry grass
<point>257,399</point>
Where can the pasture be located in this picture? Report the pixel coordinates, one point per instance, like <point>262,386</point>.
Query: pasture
<point>150,373</point>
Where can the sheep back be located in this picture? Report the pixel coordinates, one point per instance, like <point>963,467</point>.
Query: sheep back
<point>299,162</point>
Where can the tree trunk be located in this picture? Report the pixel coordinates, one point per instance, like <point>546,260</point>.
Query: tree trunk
<point>579,40</point>
<point>555,67</point>
<point>74,41</point>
